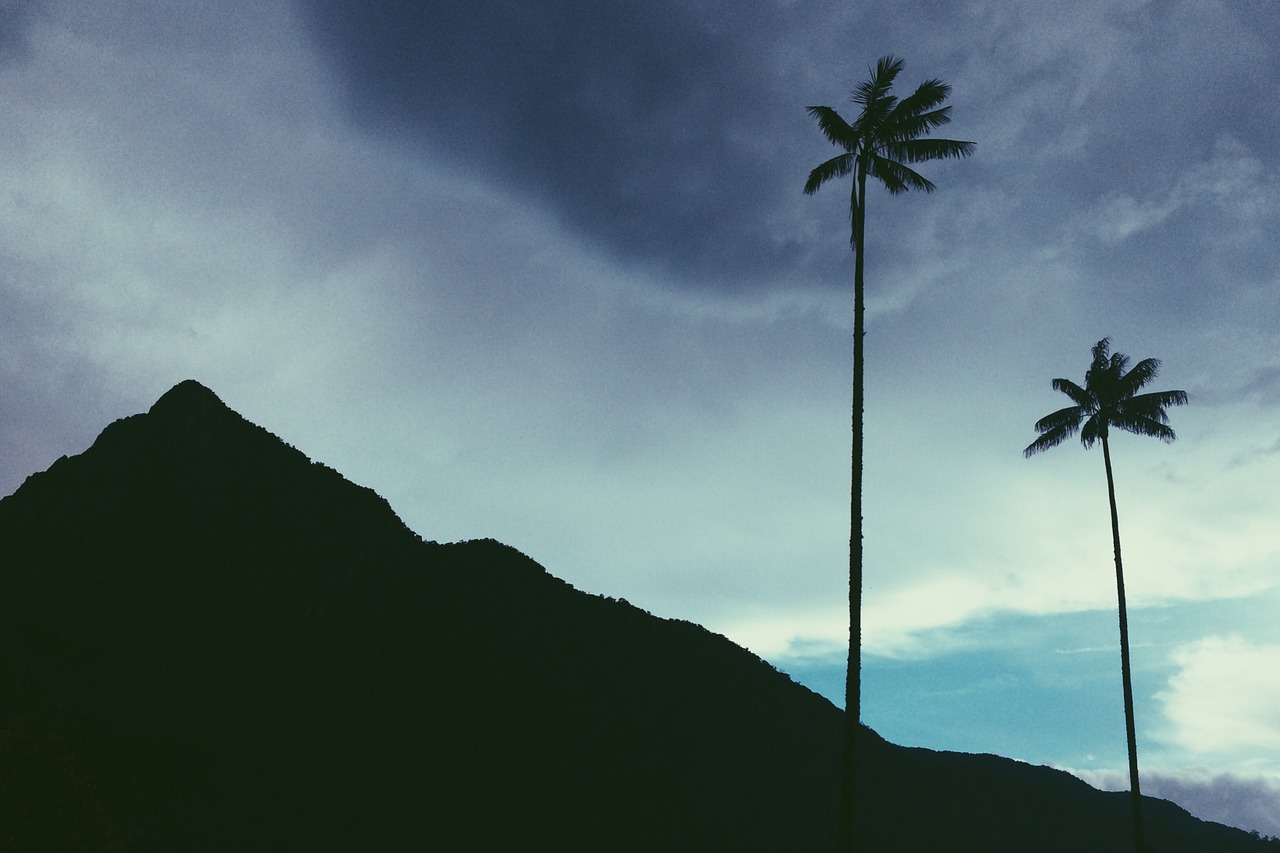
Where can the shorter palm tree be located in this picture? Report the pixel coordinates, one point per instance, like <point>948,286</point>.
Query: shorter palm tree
<point>1108,399</point>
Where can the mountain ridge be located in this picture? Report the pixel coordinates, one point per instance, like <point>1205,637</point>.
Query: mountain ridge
<point>210,641</point>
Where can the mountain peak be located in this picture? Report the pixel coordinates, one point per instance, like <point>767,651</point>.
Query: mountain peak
<point>188,395</point>
<point>193,414</point>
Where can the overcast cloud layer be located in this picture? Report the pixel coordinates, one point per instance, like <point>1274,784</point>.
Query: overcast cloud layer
<point>545,273</point>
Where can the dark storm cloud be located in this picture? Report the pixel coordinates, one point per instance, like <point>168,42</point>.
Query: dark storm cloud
<point>658,130</point>
<point>1249,803</point>
<point>1258,385</point>
<point>672,133</point>
<point>15,17</point>
<point>52,401</point>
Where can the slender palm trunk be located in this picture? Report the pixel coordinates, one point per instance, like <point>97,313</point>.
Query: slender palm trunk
<point>1126,677</point>
<point>853,672</point>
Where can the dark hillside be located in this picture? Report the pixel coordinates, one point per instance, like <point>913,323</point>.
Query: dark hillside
<point>241,649</point>
<point>208,642</point>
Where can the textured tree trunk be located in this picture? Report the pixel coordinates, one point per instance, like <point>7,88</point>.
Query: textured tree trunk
<point>1125,673</point>
<point>853,671</point>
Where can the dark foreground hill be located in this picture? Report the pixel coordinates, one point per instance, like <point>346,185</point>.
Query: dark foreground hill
<point>208,642</point>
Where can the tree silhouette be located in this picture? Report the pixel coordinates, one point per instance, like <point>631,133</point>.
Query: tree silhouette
<point>886,136</point>
<point>1108,399</point>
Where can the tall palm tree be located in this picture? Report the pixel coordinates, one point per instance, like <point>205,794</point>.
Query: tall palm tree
<point>887,135</point>
<point>1108,399</point>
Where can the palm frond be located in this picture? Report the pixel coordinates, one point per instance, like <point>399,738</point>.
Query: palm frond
<point>1052,438</point>
<point>1142,373</point>
<point>1143,425</point>
<point>922,150</point>
<point>876,88</point>
<point>834,127</point>
<point>1069,419</point>
<point>1100,356</point>
<point>897,177</point>
<point>1124,412</point>
<point>1145,414</point>
<point>901,126</point>
<point>1080,396</point>
<point>872,119</point>
<point>1094,428</point>
<point>927,95</point>
<point>1160,399</point>
<point>836,167</point>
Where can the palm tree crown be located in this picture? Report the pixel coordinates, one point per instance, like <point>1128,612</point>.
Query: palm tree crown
<point>1108,399</point>
<point>886,136</point>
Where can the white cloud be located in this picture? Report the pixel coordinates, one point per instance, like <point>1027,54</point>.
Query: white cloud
<point>814,633</point>
<point>1119,217</point>
<point>1234,192</point>
<point>953,542</point>
<point>1225,701</point>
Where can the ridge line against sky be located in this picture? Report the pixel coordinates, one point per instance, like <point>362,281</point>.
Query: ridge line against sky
<point>545,274</point>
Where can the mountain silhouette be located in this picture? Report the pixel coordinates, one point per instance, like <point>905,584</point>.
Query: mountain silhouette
<point>210,642</point>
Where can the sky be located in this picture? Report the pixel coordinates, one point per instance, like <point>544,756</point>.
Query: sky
<point>545,273</point>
